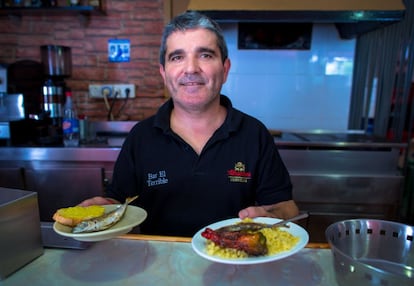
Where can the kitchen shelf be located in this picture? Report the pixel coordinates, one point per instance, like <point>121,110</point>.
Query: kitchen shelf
<point>51,11</point>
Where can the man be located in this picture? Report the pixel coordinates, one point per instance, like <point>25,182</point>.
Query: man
<point>199,160</point>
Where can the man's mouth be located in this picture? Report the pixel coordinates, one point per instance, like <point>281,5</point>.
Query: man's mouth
<point>191,83</point>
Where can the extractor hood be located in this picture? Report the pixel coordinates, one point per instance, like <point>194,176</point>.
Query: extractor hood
<point>352,17</point>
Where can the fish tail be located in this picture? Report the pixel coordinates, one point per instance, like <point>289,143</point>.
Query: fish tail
<point>130,199</point>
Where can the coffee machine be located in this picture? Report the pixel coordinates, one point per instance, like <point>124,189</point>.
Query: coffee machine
<point>57,66</point>
<point>11,108</point>
<point>43,87</point>
<point>4,110</point>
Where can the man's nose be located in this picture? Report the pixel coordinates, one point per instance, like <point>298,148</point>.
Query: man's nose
<point>192,65</point>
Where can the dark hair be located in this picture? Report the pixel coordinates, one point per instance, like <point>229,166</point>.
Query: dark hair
<point>192,20</point>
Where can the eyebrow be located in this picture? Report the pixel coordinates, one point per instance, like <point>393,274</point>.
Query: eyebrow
<point>203,50</point>
<point>174,53</point>
<point>199,50</point>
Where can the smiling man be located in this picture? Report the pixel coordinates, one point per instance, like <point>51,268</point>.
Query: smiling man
<point>199,160</point>
<point>194,73</point>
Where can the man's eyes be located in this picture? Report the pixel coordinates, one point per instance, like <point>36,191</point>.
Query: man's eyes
<point>175,58</point>
<point>206,56</point>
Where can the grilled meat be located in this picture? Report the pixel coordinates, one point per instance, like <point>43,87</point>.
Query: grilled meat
<point>253,243</point>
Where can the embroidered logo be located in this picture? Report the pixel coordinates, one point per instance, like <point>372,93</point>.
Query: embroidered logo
<point>239,174</point>
<point>155,179</point>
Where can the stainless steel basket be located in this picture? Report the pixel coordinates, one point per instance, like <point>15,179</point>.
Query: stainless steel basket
<point>372,252</point>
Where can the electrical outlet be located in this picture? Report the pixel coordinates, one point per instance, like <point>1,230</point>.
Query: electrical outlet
<point>124,90</point>
<point>112,90</point>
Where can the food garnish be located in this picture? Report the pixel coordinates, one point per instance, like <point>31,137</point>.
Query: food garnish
<point>71,216</point>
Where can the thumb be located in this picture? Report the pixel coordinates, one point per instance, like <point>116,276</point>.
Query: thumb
<point>252,212</point>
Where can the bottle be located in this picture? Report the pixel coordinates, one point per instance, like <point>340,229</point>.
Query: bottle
<point>83,129</point>
<point>70,124</point>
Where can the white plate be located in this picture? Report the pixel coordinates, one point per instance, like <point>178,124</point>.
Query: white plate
<point>199,243</point>
<point>132,217</point>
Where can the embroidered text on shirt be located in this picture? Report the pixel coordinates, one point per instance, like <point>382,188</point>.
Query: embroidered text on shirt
<point>155,179</point>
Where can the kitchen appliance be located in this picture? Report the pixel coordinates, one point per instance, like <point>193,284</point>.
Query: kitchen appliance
<point>11,109</point>
<point>4,125</point>
<point>20,239</point>
<point>26,77</point>
<point>351,18</point>
<point>3,79</point>
<point>57,61</point>
<point>57,65</point>
<point>372,252</point>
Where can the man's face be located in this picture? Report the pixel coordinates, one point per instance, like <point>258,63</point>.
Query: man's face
<point>194,71</point>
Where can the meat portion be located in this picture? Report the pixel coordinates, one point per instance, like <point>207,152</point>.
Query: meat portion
<point>253,243</point>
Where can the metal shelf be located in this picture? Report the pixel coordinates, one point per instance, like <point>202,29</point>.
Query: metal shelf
<point>51,11</point>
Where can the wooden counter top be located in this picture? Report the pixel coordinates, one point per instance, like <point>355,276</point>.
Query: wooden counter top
<point>188,239</point>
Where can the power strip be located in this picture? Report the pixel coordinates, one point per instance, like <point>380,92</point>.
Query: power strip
<point>112,90</point>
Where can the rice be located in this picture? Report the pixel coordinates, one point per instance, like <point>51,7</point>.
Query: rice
<point>215,250</point>
<point>277,241</point>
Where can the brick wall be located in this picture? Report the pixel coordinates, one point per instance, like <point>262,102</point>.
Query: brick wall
<point>141,21</point>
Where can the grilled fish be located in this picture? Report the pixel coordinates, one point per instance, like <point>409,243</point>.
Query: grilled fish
<point>105,221</point>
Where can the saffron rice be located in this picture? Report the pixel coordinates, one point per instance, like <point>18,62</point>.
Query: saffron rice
<point>277,240</point>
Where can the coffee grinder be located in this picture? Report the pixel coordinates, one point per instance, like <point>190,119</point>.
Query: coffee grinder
<point>57,65</point>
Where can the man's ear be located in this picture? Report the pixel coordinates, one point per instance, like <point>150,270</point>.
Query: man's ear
<point>227,65</point>
<point>162,71</point>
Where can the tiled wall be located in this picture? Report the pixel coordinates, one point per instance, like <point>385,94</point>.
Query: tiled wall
<point>294,89</point>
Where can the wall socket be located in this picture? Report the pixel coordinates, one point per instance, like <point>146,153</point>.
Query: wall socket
<point>97,90</point>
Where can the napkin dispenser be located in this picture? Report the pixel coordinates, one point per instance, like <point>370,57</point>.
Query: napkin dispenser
<point>20,239</point>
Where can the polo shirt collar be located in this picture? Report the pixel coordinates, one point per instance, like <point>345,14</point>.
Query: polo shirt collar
<point>231,123</point>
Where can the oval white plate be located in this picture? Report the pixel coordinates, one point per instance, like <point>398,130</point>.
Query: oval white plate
<point>199,243</point>
<point>132,217</point>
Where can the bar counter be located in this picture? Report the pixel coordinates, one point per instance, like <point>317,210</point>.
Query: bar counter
<point>135,259</point>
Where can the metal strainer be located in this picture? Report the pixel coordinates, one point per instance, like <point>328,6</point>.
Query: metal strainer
<point>372,252</point>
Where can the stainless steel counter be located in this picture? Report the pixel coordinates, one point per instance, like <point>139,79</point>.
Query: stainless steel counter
<point>150,262</point>
<point>352,140</point>
<point>65,154</point>
<point>61,176</point>
<point>334,176</point>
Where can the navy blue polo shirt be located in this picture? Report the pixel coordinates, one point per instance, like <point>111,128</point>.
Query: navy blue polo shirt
<point>183,191</point>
